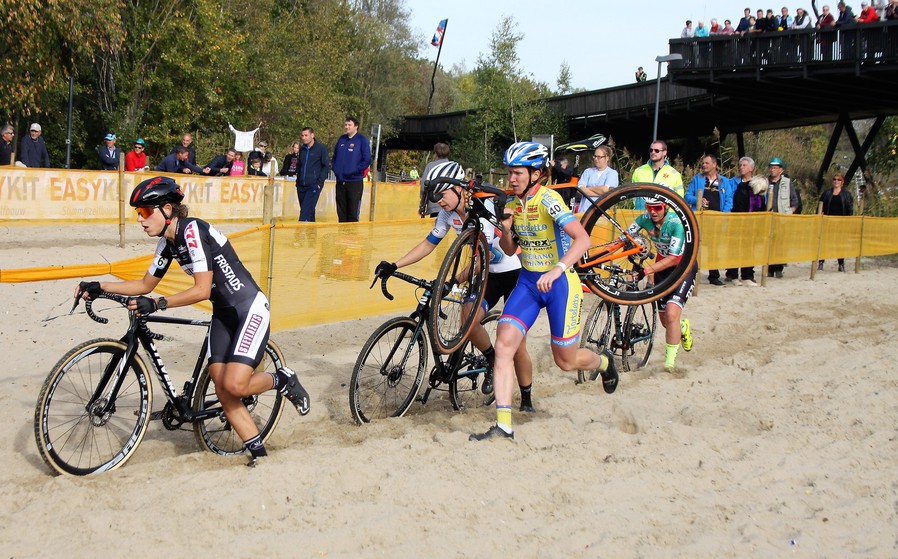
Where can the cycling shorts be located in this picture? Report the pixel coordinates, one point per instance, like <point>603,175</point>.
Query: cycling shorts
<point>240,334</point>
<point>499,286</point>
<point>562,304</point>
<point>681,294</point>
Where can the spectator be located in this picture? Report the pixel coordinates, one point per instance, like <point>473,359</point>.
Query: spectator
<point>892,10</point>
<point>727,28</point>
<point>261,149</point>
<point>781,198</point>
<point>440,156</point>
<point>563,173</point>
<point>255,166</point>
<point>6,146</point>
<point>748,196</point>
<point>136,159</point>
<point>802,19</point>
<point>688,32</point>
<point>715,27</point>
<point>701,31</point>
<point>269,164</point>
<point>716,195</point>
<point>773,22</point>
<point>836,201</point>
<point>658,171</point>
<point>221,165</point>
<point>187,142</point>
<point>868,14</point>
<point>761,21</point>
<point>826,19</point>
<point>744,23</point>
<point>785,20</point>
<point>846,15</point>
<point>826,22</point>
<point>178,162</point>
<point>311,172</point>
<point>238,167</point>
<point>640,75</point>
<point>33,150</point>
<point>109,155</point>
<point>352,155</point>
<point>288,169</point>
<point>599,179</point>
<point>413,174</point>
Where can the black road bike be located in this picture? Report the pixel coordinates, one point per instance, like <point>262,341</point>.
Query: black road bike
<point>95,406</point>
<point>627,332</point>
<point>390,369</point>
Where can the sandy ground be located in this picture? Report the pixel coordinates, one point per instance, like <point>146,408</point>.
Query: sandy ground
<point>776,437</point>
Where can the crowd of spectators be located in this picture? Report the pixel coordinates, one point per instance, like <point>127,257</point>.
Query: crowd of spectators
<point>768,21</point>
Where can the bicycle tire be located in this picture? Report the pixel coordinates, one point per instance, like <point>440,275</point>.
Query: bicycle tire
<point>640,326</point>
<point>387,375</point>
<point>594,333</point>
<point>215,433</point>
<point>452,314</point>
<point>465,390</point>
<point>73,440</point>
<point>618,203</point>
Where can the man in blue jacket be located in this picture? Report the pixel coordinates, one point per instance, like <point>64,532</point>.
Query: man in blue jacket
<point>33,150</point>
<point>109,154</point>
<point>352,155</point>
<point>716,195</point>
<point>311,171</point>
<point>178,162</point>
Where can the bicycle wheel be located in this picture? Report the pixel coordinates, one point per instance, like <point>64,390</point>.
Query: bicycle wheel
<point>639,335</point>
<point>465,388</point>
<point>453,313</point>
<point>608,263</point>
<point>595,333</point>
<point>388,373</point>
<point>215,433</point>
<point>73,436</point>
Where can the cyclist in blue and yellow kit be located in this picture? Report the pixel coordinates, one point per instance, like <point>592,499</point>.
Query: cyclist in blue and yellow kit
<point>551,240</point>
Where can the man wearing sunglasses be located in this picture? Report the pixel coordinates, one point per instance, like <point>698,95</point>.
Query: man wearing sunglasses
<point>666,232</point>
<point>658,171</point>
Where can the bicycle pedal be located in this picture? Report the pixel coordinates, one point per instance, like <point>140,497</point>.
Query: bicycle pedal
<point>156,415</point>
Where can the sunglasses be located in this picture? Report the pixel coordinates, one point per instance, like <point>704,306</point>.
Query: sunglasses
<point>655,208</point>
<point>656,150</point>
<point>138,146</point>
<point>145,212</point>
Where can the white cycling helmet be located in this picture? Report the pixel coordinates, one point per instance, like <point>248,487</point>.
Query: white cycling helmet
<point>449,170</point>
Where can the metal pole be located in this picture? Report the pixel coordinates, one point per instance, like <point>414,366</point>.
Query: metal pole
<point>657,103</point>
<point>68,132</point>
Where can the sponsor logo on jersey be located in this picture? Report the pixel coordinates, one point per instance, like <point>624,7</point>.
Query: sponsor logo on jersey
<point>190,236</point>
<point>249,334</point>
<point>228,272</point>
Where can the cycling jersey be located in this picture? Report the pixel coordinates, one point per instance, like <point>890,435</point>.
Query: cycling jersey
<point>200,247</point>
<point>499,261</point>
<point>539,225</point>
<point>669,237</point>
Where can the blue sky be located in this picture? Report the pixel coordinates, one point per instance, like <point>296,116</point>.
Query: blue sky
<point>603,41</point>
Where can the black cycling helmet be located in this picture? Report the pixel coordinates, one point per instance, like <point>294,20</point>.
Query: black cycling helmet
<point>156,192</point>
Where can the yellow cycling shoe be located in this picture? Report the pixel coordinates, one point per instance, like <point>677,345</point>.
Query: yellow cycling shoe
<point>686,334</point>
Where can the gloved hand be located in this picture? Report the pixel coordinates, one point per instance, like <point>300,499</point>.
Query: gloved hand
<point>145,305</point>
<point>92,288</point>
<point>385,269</point>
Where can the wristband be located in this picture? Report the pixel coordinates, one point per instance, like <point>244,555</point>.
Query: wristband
<point>562,265</point>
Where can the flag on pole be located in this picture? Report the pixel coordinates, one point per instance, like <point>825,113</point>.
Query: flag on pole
<point>438,36</point>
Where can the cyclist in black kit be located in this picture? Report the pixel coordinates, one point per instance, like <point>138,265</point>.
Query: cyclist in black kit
<point>240,312</point>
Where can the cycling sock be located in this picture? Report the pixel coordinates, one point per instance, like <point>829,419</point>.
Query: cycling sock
<point>490,355</point>
<point>525,395</point>
<point>503,418</point>
<point>278,380</point>
<point>603,362</point>
<point>256,447</point>
<point>670,355</point>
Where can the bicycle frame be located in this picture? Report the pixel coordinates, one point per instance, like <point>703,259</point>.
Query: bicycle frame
<point>138,335</point>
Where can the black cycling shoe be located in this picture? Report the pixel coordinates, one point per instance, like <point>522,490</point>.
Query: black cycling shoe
<point>294,392</point>
<point>609,375</point>
<point>494,432</point>
<point>528,409</point>
<point>487,386</point>
<point>254,461</point>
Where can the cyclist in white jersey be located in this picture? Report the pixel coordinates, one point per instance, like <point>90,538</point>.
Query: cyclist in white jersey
<point>503,271</point>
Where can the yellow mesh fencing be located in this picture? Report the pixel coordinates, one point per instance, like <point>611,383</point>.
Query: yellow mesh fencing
<point>321,272</point>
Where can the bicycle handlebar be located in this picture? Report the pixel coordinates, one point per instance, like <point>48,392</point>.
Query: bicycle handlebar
<point>404,277</point>
<point>123,301</point>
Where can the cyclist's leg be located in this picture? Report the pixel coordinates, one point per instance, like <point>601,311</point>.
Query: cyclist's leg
<point>670,311</point>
